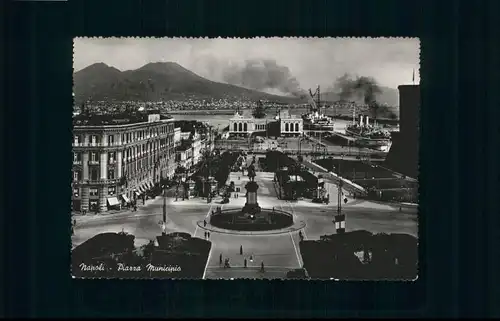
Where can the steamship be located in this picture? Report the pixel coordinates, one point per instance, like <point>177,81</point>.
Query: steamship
<point>369,135</point>
<point>314,119</point>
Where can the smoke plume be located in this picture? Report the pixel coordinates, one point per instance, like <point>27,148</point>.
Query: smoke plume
<point>263,75</point>
<point>352,88</point>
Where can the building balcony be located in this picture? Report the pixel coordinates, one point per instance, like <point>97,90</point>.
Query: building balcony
<point>97,181</point>
<point>92,162</point>
<point>113,144</point>
<point>77,162</point>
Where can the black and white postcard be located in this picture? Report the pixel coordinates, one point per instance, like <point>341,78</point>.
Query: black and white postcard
<point>255,158</point>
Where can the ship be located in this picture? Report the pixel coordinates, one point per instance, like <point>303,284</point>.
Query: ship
<point>315,119</point>
<point>369,135</point>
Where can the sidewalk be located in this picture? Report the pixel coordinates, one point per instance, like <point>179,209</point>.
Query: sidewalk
<point>79,217</point>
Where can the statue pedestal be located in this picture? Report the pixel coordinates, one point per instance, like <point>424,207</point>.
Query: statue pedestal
<point>251,205</point>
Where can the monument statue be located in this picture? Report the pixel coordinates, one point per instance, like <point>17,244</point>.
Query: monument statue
<point>252,205</point>
<point>251,172</point>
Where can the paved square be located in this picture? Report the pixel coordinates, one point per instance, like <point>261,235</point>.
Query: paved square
<point>279,252</point>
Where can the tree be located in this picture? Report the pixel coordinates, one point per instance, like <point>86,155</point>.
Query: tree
<point>375,110</point>
<point>258,112</point>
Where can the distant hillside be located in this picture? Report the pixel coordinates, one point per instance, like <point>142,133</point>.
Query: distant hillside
<point>157,81</point>
<point>388,96</point>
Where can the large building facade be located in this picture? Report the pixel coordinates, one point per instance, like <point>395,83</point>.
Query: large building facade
<point>290,125</point>
<point>243,124</point>
<point>117,158</point>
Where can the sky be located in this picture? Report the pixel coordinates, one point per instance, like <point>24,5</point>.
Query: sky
<point>311,61</point>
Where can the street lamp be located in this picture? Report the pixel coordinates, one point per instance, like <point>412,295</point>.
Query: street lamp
<point>339,217</point>
<point>164,190</point>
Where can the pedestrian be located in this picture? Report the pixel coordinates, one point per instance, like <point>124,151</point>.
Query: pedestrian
<point>220,259</point>
<point>74,222</point>
<point>205,233</point>
<point>72,231</point>
<point>208,234</point>
<point>262,266</point>
<point>245,263</point>
<point>204,223</point>
<point>241,249</point>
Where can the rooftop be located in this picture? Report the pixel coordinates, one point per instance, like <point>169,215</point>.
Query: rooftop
<point>126,118</point>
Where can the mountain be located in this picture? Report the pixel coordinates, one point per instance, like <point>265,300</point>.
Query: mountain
<point>157,81</point>
<point>387,96</point>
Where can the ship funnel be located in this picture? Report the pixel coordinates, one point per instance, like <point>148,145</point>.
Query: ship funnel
<point>367,120</point>
<point>360,120</point>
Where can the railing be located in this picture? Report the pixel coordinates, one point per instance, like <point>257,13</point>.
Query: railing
<point>77,162</point>
<point>98,181</point>
<point>236,210</point>
<point>91,162</point>
<point>107,144</point>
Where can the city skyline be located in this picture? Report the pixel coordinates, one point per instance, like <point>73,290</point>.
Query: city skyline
<point>390,61</point>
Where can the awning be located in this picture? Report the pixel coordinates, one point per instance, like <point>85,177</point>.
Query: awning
<point>125,198</point>
<point>113,201</point>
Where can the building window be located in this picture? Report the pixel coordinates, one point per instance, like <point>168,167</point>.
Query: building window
<point>77,158</point>
<point>296,127</point>
<point>93,157</point>
<point>111,139</point>
<point>240,127</point>
<point>112,190</point>
<point>93,139</point>
<point>112,157</point>
<point>77,176</point>
<point>111,174</point>
<point>245,127</point>
<point>93,191</point>
<point>76,192</point>
<point>78,139</point>
<point>94,174</point>
<point>286,127</point>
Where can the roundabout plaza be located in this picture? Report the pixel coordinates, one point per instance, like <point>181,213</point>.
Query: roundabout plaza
<point>255,235</point>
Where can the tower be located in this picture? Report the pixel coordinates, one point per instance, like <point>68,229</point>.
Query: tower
<point>403,156</point>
